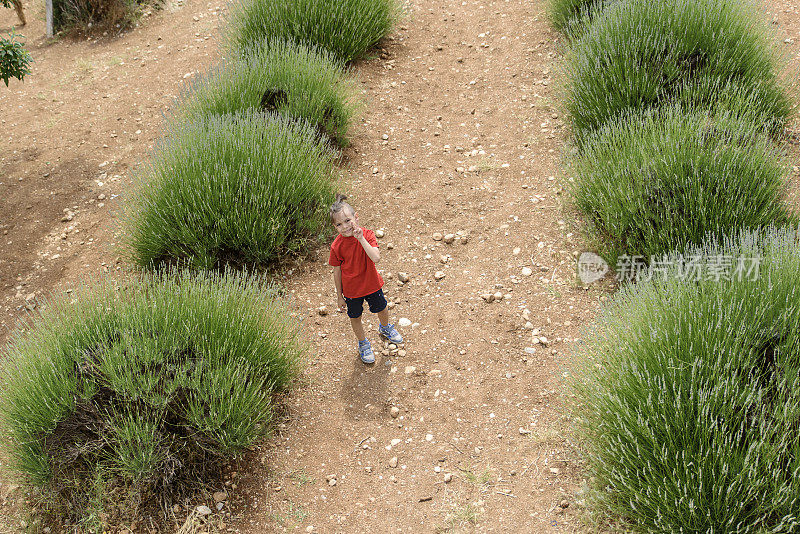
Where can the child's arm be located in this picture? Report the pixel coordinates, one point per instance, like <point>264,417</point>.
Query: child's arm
<point>373,252</point>
<point>337,281</point>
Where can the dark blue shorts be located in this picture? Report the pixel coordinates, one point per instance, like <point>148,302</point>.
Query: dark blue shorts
<point>376,301</point>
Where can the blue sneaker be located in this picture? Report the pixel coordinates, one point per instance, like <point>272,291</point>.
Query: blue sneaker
<point>365,351</point>
<point>390,333</point>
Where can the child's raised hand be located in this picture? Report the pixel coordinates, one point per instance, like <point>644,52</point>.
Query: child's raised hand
<point>358,233</point>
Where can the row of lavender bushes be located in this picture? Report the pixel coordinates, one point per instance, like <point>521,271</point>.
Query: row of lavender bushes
<point>689,386</point>
<point>126,397</point>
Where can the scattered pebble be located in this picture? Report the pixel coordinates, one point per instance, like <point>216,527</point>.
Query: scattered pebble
<point>220,496</point>
<point>449,238</point>
<point>439,275</point>
<point>410,369</point>
<point>404,322</point>
<point>395,411</point>
<point>393,462</point>
<point>203,510</point>
<point>448,477</point>
<point>379,233</point>
<point>322,310</point>
<point>437,236</point>
<point>403,277</point>
<point>527,271</point>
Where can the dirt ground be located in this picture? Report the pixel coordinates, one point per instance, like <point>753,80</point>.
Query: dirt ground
<point>461,135</point>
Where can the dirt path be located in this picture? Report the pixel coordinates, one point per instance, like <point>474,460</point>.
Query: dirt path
<point>460,136</point>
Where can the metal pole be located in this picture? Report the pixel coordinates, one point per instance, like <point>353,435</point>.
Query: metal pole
<point>49,16</point>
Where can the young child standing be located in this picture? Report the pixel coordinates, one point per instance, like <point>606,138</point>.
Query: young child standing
<point>354,254</point>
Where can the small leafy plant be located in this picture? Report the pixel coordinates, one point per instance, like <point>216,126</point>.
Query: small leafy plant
<point>15,61</point>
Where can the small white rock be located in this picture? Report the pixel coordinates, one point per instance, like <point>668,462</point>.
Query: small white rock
<point>439,275</point>
<point>404,322</point>
<point>393,462</point>
<point>527,271</point>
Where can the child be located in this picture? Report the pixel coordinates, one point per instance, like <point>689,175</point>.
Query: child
<point>354,254</point>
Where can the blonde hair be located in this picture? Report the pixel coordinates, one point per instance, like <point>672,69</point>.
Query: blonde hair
<point>339,205</point>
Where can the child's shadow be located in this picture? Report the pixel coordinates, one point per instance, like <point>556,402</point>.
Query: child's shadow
<point>364,389</point>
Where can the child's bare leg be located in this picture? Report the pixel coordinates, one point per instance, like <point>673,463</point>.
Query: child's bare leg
<point>383,316</point>
<point>358,328</point>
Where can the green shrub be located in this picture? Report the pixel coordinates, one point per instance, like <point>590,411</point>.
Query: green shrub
<point>284,77</point>
<point>690,399</point>
<point>346,28</point>
<point>641,54</point>
<point>567,14</point>
<point>240,189</point>
<point>15,61</point>
<point>662,181</point>
<point>87,15</point>
<point>136,393</point>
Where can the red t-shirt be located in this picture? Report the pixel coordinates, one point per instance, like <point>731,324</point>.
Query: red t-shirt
<point>359,275</point>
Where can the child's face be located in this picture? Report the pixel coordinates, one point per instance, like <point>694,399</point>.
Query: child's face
<point>345,222</point>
